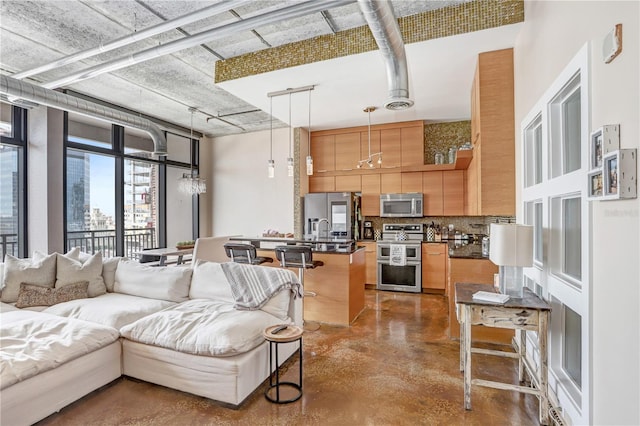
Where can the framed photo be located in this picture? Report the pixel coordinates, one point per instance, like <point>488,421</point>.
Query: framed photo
<point>595,184</point>
<point>596,149</point>
<point>611,173</point>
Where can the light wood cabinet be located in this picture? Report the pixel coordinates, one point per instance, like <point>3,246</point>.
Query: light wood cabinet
<point>479,271</point>
<point>391,148</point>
<point>434,267</point>
<point>322,184</point>
<point>371,195</point>
<point>411,182</point>
<point>490,182</point>
<point>453,190</point>
<point>412,145</point>
<point>390,183</point>
<point>371,275</point>
<point>347,151</point>
<point>323,153</point>
<point>348,183</point>
<point>432,193</point>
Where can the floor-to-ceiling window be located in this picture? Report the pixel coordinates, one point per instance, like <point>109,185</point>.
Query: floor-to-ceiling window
<point>554,194</point>
<point>12,181</point>
<point>116,190</point>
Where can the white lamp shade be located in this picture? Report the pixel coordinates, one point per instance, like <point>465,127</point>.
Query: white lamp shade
<point>511,244</point>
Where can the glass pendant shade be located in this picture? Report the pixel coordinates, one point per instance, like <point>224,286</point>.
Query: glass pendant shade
<point>191,183</point>
<point>309,165</point>
<point>289,166</point>
<point>271,169</point>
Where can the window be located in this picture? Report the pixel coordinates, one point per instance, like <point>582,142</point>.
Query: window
<point>12,181</point>
<point>140,206</point>
<point>565,124</point>
<point>88,131</point>
<point>572,347</point>
<point>533,146</point>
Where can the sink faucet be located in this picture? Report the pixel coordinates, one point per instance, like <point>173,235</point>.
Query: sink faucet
<point>324,219</point>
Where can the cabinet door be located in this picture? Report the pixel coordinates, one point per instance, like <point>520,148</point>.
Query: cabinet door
<point>350,183</point>
<point>322,184</point>
<point>390,147</point>
<point>472,183</point>
<point>432,192</point>
<point>323,153</point>
<point>412,145</point>
<point>347,151</point>
<point>390,183</point>
<point>434,266</point>
<point>371,195</point>
<point>371,273</point>
<point>453,189</point>
<point>411,182</point>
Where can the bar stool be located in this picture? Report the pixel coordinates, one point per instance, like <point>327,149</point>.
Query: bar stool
<point>300,257</point>
<point>245,253</point>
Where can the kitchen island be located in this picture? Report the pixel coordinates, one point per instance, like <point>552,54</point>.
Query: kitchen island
<point>338,285</point>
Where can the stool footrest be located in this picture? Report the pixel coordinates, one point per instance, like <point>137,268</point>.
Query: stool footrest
<point>284,401</point>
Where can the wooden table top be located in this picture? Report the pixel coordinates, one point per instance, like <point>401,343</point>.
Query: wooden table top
<point>289,334</point>
<point>465,291</point>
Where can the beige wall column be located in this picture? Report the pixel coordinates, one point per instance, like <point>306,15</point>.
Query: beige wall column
<point>45,183</point>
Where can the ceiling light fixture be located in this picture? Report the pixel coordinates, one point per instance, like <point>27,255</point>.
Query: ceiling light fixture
<point>271,165</point>
<point>290,158</point>
<point>191,183</point>
<point>369,159</point>
<point>309,158</point>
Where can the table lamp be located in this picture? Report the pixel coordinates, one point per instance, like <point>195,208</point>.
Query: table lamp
<point>511,249</point>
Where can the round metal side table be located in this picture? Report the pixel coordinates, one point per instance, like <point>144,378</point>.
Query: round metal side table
<point>290,334</point>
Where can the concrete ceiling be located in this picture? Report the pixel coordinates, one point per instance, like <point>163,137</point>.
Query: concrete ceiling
<point>33,33</point>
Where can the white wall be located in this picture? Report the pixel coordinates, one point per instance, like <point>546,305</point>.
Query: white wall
<point>242,199</point>
<point>552,34</point>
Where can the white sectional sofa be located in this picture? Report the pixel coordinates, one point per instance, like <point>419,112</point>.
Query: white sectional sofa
<point>180,327</point>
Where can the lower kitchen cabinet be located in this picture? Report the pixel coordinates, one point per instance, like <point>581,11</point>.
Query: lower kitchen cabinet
<point>371,270</point>
<point>479,271</point>
<point>434,267</point>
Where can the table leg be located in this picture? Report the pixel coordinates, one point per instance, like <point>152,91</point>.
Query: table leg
<point>162,260</point>
<point>179,259</point>
<point>542,380</point>
<point>461,321</point>
<point>466,324</point>
<point>521,335</point>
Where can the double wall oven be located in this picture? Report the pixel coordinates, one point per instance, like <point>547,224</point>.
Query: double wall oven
<point>405,275</point>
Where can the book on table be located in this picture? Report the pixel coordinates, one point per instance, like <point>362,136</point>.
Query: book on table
<point>488,296</point>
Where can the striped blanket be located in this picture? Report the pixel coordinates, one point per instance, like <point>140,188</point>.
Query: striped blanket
<point>252,286</point>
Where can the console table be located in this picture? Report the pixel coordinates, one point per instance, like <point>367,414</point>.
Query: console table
<point>521,314</point>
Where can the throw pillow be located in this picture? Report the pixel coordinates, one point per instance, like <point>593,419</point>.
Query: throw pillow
<point>40,272</point>
<point>35,295</point>
<point>109,265</point>
<point>71,271</point>
<point>154,282</point>
<point>210,282</point>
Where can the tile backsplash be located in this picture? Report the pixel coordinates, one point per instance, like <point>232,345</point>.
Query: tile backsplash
<point>464,224</point>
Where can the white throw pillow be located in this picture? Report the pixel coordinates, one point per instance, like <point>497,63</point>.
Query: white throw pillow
<point>109,265</point>
<point>71,271</point>
<point>38,272</point>
<point>155,282</point>
<point>210,282</point>
<point>278,305</point>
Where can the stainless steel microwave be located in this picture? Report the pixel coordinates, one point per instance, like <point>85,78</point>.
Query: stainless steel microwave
<point>401,205</point>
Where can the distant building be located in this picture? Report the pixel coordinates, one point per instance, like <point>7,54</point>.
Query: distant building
<point>78,191</point>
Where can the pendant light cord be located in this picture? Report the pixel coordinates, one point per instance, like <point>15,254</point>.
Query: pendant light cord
<point>192,111</point>
<point>309,127</point>
<point>271,129</point>
<point>290,156</point>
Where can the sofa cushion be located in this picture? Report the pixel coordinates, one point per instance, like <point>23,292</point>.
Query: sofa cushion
<point>35,295</point>
<point>113,309</point>
<point>155,282</point>
<point>71,271</point>
<point>209,282</point>
<point>202,327</point>
<point>109,265</point>
<point>40,272</point>
<point>278,305</point>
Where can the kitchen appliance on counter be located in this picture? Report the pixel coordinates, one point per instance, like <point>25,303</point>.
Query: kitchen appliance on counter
<point>405,275</point>
<point>330,215</point>
<point>367,230</point>
<point>401,205</point>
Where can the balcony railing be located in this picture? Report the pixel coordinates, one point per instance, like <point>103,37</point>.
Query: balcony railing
<point>135,240</point>
<point>8,244</point>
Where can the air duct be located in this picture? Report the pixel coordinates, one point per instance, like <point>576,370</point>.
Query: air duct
<point>22,90</point>
<point>384,27</point>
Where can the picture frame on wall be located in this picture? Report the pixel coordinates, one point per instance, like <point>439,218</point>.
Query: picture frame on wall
<point>611,173</point>
<point>596,150</point>
<point>595,184</point>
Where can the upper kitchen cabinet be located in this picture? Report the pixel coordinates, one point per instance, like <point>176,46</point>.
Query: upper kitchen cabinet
<point>347,151</point>
<point>371,195</point>
<point>323,153</point>
<point>391,148</point>
<point>412,145</point>
<point>490,181</point>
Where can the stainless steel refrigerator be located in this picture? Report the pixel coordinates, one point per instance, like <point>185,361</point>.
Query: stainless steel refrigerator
<point>332,215</point>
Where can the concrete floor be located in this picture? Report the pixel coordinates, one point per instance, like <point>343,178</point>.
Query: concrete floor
<point>393,366</point>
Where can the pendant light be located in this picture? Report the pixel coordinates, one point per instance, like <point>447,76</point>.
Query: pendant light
<point>290,158</point>
<point>309,158</point>
<point>191,183</point>
<point>271,165</point>
<point>369,159</point>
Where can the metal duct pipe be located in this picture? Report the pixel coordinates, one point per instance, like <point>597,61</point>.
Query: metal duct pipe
<point>135,37</point>
<point>384,27</point>
<point>13,88</point>
<point>294,11</point>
